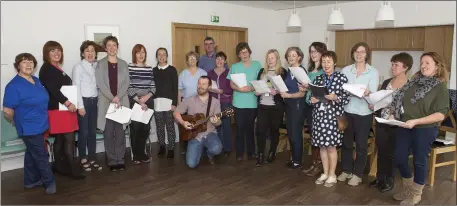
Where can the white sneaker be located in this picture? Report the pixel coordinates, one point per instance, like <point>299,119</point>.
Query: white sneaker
<point>321,179</point>
<point>344,176</point>
<point>354,181</point>
<point>330,181</point>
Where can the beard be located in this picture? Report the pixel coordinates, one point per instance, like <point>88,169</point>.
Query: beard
<point>202,91</point>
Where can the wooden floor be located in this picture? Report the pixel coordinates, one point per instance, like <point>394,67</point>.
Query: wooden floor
<point>226,182</point>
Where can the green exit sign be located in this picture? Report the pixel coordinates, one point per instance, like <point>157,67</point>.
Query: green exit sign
<point>214,19</point>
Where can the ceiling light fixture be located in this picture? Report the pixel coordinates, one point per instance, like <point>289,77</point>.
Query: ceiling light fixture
<point>294,20</point>
<point>336,19</point>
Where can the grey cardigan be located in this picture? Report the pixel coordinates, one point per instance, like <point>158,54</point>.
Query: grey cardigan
<point>105,97</point>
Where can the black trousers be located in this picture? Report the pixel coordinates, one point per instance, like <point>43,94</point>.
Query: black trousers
<point>139,133</point>
<point>358,129</point>
<point>385,143</point>
<point>64,150</point>
<point>269,119</point>
<point>244,119</point>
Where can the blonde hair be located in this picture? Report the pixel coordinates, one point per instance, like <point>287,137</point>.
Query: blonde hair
<point>441,72</point>
<point>278,66</point>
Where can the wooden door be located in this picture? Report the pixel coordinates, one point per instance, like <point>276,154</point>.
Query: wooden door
<point>341,48</point>
<point>187,40</point>
<point>226,41</point>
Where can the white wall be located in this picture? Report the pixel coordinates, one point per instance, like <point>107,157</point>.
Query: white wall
<point>362,14</point>
<point>26,26</point>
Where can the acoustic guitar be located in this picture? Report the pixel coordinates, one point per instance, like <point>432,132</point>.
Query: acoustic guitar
<point>198,122</point>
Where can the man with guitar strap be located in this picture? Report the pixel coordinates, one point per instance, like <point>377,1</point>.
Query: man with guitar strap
<point>193,123</point>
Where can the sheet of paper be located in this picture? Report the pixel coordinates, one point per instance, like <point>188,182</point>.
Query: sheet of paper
<point>260,86</point>
<point>389,122</point>
<point>140,115</point>
<point>300,74</point>
<point>355,89</point>
<point>214,85</point>
<point>278,83</point>
<point>71,92</point>
<point>162,104</point>
<point>121,115</point>
<point>380,99</point>
<point>239,79</point>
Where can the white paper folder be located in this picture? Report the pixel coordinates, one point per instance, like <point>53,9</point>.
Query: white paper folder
<point>121,115</point>
<point>71,92</point>
<point>140,115</point>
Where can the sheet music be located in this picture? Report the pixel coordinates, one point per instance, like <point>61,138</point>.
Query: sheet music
<point>389,122</point>
<point>140,115</point>
<point>260,86</point>
<point>121,115</point>
<point>355,89</point>
<point>214,85</point>
<point>162,104</point>
<point>380,99</point>
<point>239,79</point>
<point>300,74</point>
<point>71,92</point>
<point>319,92</point>
<point>278,83</point>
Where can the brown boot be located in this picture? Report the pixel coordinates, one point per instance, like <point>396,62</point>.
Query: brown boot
<point>406,192</point>
<point>416,193</point>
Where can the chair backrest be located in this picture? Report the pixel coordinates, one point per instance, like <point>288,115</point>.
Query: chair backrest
<point>8,131</point>
<point>452,129</point>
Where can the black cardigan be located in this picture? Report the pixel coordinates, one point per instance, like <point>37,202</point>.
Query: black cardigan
<point>279,101</point>
<point>53,79</point>
<point>383,86</point>
<point>166,82</point>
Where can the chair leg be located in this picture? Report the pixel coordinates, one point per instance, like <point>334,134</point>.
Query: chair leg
<point>455,167</point>
<point>431,173</point>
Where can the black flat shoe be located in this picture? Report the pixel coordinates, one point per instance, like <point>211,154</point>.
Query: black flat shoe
<point>376,183</point>
<point>161,151</point>
<point>271,157</point>
<point>170,154</point>
<point>294,166</point>
<point>387,186</point>
<point>289,163</point>
<point>260,160</point>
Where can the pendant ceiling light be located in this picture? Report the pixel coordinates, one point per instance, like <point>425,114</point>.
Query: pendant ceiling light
<point>336,19</point>
<point>386,12</point>
<point>294,20</point>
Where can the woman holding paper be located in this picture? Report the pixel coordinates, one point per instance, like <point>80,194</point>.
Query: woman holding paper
<point>316,49</point>
<point>295,106</point>
<point>422,104</point>
<point>25,106</point>
<point>326,135</point>
<point>224,95</point>
<point>385,134</point>
<point>270,108</point>
<point>141,91</point>
<point>244,99</point>
<point>62,123</point>
<point>359,115</point>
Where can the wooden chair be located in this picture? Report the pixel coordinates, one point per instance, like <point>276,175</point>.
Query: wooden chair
<point>283,139</point>
<point>442,150</point>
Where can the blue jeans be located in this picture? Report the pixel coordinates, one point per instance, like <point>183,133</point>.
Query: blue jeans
<point>295,119</point>
<point>195,149</point>
<point>225,130</point>
<point>419,140</point>
<point>87,128</point>
<point>36,162</point>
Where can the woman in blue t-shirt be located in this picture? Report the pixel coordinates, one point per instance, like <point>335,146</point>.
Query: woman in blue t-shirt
<point>25,105</point>
<point>295,106</point>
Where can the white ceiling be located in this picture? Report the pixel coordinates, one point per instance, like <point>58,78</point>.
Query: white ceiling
<point>282,5</point>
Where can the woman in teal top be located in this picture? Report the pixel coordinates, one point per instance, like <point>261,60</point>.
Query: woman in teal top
<point>244,100</point>
<point>316,49</point>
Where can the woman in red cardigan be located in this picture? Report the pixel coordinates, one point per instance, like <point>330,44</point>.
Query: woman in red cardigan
<point>62,124</point>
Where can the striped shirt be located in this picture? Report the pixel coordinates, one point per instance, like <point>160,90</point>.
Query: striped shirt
<point>141,81</point>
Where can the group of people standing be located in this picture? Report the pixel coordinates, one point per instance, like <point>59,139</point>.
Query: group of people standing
<point>338,120</point>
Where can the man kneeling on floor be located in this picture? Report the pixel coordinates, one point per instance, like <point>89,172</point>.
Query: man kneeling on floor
<point>209,138</point>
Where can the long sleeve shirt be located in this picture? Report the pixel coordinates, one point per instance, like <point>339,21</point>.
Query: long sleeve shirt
<point>83,76</point>
<point>141,81</point>
<point>166,81</point>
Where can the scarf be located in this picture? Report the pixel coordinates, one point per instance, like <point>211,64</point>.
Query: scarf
<point>425,85</point>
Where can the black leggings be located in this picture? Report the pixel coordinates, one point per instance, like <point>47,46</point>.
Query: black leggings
<point>269,118</point>
<point>64,150</point>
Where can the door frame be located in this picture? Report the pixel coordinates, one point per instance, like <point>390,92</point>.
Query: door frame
<point>175,25</point>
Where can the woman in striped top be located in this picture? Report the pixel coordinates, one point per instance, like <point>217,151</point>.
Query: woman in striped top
<point>141,91</point>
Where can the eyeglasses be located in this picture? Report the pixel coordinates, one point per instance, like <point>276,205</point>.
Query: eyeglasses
<point>360,52</point>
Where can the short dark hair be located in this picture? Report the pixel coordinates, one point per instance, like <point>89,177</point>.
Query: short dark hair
<point>110,38</point>
<point>86,45</point>
<point>49,46</point>
<point>221,54</point>
<point>207,78</point>
<point>364,45</point>
<point>137,48</point>
<point>241,46</point>
<point>330,54</point>
<point>320,47</point>
<point>24,56</point>
<point>296,49</point>
<point>208,38</point>
<point>404,58</point>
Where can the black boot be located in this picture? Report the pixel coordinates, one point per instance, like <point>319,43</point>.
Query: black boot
<point>170,154</point>
<point>388,185</point>
<point>260,160</point>
<point>271,157</point>
<point>377,182</point>
<point>161,151</point>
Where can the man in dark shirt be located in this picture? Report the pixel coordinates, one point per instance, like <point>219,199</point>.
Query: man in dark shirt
<point>208,62</point>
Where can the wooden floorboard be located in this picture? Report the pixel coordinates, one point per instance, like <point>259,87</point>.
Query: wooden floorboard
<point>227,182</point>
